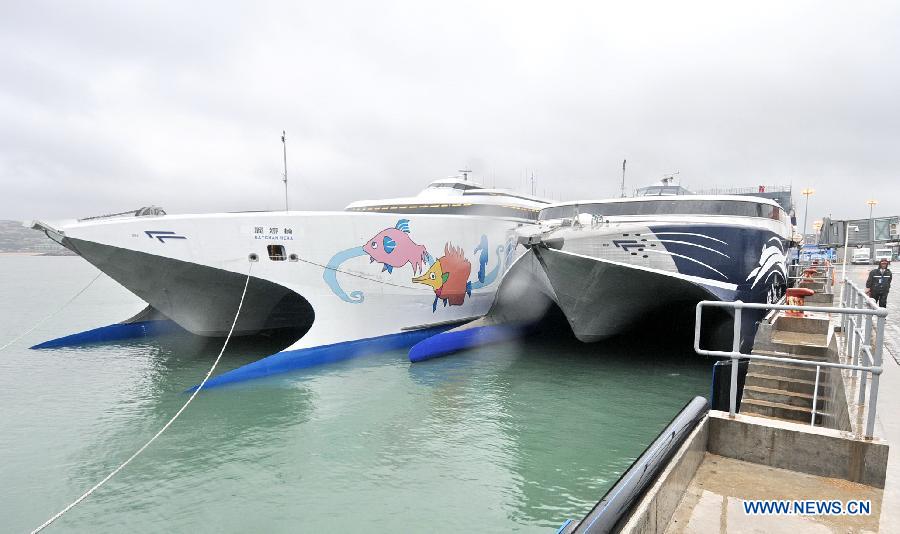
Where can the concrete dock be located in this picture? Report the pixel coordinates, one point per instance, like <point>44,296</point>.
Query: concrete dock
<point>712,501</point>
<point>769,451</point>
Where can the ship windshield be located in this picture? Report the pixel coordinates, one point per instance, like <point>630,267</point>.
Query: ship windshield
<point>661,191</point>
<point>734,208</point>
<point>457,185</point>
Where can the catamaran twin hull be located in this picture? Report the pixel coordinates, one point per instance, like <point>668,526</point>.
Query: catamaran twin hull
<point>608,278</point>
<point>332,277</point>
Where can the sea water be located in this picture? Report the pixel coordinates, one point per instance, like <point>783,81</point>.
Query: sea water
<point>514,437</point>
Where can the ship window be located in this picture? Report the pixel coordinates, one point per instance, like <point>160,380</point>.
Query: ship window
<point>734,208</point>
<point>276,252</point>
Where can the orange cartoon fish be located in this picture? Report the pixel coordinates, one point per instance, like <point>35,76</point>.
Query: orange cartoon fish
<point>449,277</point>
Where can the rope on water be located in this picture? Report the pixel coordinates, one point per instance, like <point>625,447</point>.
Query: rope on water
<point>167,425</point>
<point>42,321</point>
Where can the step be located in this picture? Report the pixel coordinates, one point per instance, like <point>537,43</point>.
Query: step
<point>797,356</point>
<point>811,323</point>
<point>815,285</point>
<point>785,370</point>
<point>780,396</point>
<point>778,410</point>
<point>795,343</point>
<point>819,299</point>
<point>798,385</point>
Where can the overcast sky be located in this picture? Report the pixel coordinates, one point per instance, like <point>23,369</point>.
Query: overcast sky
<point>109,106</point>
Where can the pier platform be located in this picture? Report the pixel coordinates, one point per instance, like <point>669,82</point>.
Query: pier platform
<point>799,434</point>
<point>713,501</point>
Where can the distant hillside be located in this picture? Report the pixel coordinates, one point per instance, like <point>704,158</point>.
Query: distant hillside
<point>17,239</point>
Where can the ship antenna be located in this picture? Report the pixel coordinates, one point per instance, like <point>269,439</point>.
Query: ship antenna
<point>532,182</point>
<point>623,178</point>
<point>465,173</point>
<point>284,176</point>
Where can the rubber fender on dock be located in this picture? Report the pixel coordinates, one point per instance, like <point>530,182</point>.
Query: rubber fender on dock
<point>614,506</point>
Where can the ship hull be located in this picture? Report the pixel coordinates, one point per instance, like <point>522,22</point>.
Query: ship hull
<point>611,278</point>
<point>601,299</point>
<point>308,271</point>
<point>200,298</point>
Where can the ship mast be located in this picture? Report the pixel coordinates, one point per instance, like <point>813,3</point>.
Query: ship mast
<point>284,176</point>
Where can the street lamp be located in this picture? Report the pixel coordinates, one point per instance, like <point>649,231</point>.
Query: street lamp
<point>806,192</point>
<point>847,228</point>
<point>871,203</point>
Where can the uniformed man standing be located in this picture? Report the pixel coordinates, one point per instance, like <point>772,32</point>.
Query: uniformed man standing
<point>879,283</point>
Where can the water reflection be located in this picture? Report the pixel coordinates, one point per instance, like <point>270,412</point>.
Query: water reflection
<point>598,410</point>
<point>566,418</point>
<point>227,428</point>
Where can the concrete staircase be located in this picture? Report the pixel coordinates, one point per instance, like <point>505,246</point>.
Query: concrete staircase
<point>784,390</point>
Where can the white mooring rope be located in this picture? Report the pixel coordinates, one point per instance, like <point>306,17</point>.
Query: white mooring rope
<point>163,429</point>
<point>42,321</point>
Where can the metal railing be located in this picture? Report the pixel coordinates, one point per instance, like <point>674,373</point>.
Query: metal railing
<point>857,312</point>
<point>825,274</point>
<point>745,190</point>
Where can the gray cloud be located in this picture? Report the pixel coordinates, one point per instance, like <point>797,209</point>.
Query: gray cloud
<point>108,106</point>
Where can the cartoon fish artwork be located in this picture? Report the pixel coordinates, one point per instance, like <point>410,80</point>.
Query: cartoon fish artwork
<point>449,277</point>
<point>392,247</point>
<point>483,257</point>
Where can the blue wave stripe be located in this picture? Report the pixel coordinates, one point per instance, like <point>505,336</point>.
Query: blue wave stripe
<point>113,332</point>
<point>292,360</point>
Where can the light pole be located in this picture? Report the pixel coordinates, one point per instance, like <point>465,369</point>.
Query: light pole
<point>871,203</point>
<point>806,192</point>
<point>847,228</point>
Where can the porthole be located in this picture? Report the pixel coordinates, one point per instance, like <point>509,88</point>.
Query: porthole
<point>253,257</point>
<point>294,257</point>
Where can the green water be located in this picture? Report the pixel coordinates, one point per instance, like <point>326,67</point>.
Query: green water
<point>512,437</point>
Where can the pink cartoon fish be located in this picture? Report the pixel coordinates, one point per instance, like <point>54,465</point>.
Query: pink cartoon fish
<point>393,248</point>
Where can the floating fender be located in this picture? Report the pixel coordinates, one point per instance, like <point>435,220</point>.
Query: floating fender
<point>614,506</point>
<point>293,360</point>
<point>462,339</point>
<point>113,332</point>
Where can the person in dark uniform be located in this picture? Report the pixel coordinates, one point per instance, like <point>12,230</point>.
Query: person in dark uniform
<point>879,283</point>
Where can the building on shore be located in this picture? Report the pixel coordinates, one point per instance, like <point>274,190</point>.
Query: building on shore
<point>878,232</point>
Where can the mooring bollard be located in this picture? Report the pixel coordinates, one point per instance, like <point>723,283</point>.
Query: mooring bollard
<point>795,296</point>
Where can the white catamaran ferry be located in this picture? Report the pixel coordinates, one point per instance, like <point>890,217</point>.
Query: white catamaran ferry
<point>607,264</point>
<point>381,274</point>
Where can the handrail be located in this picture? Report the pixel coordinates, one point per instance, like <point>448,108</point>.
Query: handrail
<point>880,312</point>
<point>826,270</point>
<point>750,356</point>
<point>857,313</point>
